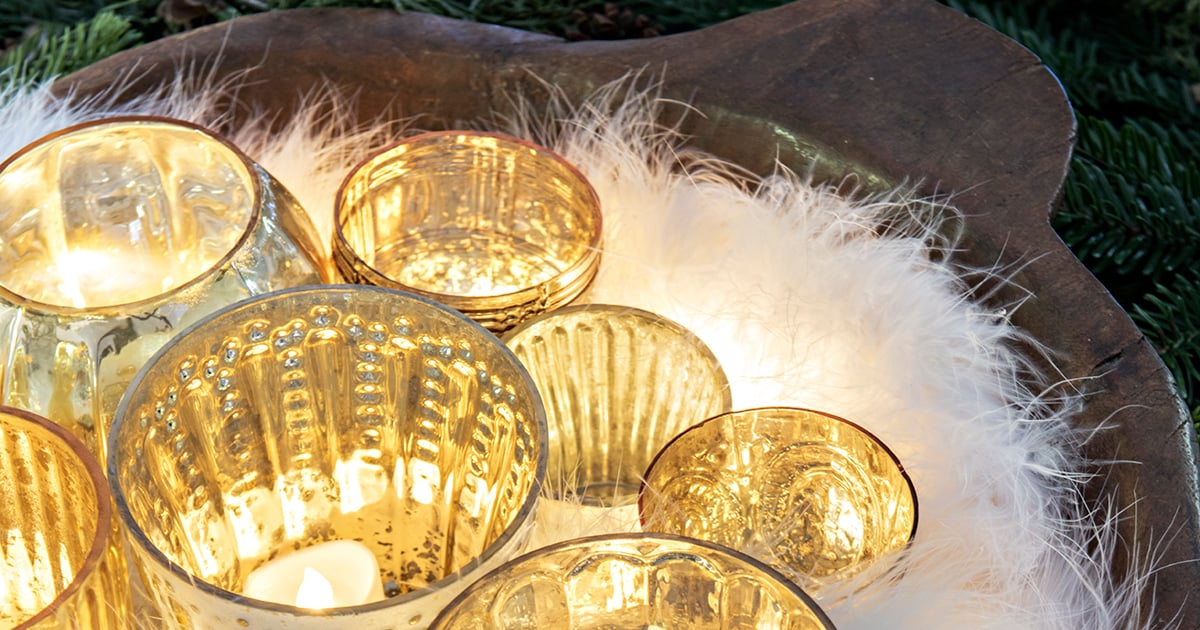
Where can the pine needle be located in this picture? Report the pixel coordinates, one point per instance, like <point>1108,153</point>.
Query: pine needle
<point>1170,318</point>
<point>51,50</point>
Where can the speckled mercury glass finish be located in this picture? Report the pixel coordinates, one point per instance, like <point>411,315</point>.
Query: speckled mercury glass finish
<point>116,233</point>
<point>618,384</point>
<point>496,227</point>
<point>322,413</point>
<point>62,561</point>
<point>809,493</point>
<point>634,581</point>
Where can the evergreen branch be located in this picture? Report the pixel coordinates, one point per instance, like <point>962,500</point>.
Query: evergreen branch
<point>1130,204</point>
<point>1170,319</point>
<point>51,50</point>
<point>1098,80</point>
<point>17,16</point>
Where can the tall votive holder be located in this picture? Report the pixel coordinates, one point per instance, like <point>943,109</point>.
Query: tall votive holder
<point>114,235</point>
<point>325,414</point>
<point>618,384</point>
<point>494,226</point>
<point>62,561</point>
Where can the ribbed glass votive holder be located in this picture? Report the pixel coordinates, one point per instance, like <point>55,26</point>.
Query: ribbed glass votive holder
<point>618,384</point>
<point>63,565</point>
<point>496,227</point>
<point>634,581</point>
<point>811,494</point>
<point>349,413</point>
<point>116,233</point>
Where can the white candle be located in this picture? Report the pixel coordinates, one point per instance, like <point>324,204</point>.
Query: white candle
<point>328,575</point>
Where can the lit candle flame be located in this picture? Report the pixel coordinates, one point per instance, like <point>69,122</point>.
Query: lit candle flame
<point>314,591</point>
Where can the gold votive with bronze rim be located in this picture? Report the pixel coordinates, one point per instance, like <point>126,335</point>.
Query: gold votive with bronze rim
<point>633,581</point>
<point>497,227</point>
<point>114,235</point>
<point>618,383</point>
<point>62,560</point>
<point>344,414</point>
<point>811,494</point>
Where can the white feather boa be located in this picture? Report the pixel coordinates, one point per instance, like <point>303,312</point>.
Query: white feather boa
<point>807,301</point>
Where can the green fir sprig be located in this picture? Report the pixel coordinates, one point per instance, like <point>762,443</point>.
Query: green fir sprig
<point>50,49</point>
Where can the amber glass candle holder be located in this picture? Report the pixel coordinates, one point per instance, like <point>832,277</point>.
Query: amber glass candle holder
<point>319,414</point>
<point>63,566</point>
<point>811,494</point>
<point>618,384</point>
<point>116,233</point>
<point>633,581</point>
<point>496,227</point>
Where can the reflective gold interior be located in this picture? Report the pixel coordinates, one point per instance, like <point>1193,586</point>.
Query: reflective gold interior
<point>119,212</point>
<point>329,413</point>
<point>618,383</point>
<point>469,216</point>
<point>61,562</point>
<point>809,493</point>
<point>637,581</point>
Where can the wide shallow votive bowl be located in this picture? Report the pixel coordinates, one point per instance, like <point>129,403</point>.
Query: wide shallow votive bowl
<point>494,226</point>
<point>325,413</point>
<point>633,581</point>
<point>811,494</point>
<point>618,384</point>
<point>62,561</point>
<point>116,233</point>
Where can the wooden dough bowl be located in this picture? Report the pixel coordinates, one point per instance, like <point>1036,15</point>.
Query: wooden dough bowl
<point>886,89</point>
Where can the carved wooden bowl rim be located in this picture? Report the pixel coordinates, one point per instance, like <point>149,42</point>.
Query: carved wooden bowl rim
<point>886,89</point>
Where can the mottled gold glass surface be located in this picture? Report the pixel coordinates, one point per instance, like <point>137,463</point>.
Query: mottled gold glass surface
<point>116,233</point>
<point>496,227</point>
<point>633,581</point>
<point>618,384</point>
<point>325,413</point>
<point>809,493</point>
<point>63,566</point>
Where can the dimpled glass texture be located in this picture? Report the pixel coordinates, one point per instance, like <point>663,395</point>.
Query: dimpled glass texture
<point>809,493</point>
<point>323,413</point>
<point>496,227</point>
<point>618,383</point>
<point>116,233</point>
<point>62,565</point>
<point>634,581</point>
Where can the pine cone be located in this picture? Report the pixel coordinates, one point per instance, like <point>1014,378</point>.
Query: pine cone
<point>188,14</point>
<point>611,21</point>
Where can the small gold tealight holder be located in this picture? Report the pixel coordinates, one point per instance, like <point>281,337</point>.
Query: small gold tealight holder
<point>811,494</point>
<point>62,560</point>
<point>633,581</point>
<point>618,384</point>
<point>282,448</point>
<point>115,234</point>
<point>494,226</point>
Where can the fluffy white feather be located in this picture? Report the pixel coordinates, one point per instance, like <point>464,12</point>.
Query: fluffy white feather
<point>807,300</point>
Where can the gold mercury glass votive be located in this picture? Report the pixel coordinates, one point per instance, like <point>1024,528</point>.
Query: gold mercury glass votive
<point>811,494</point>
<point>494,226</point>
<point>346,413</point>
<point>62,562</point>
<point>618,384</point>
<point>116,233</point>
<point>634,581</point>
